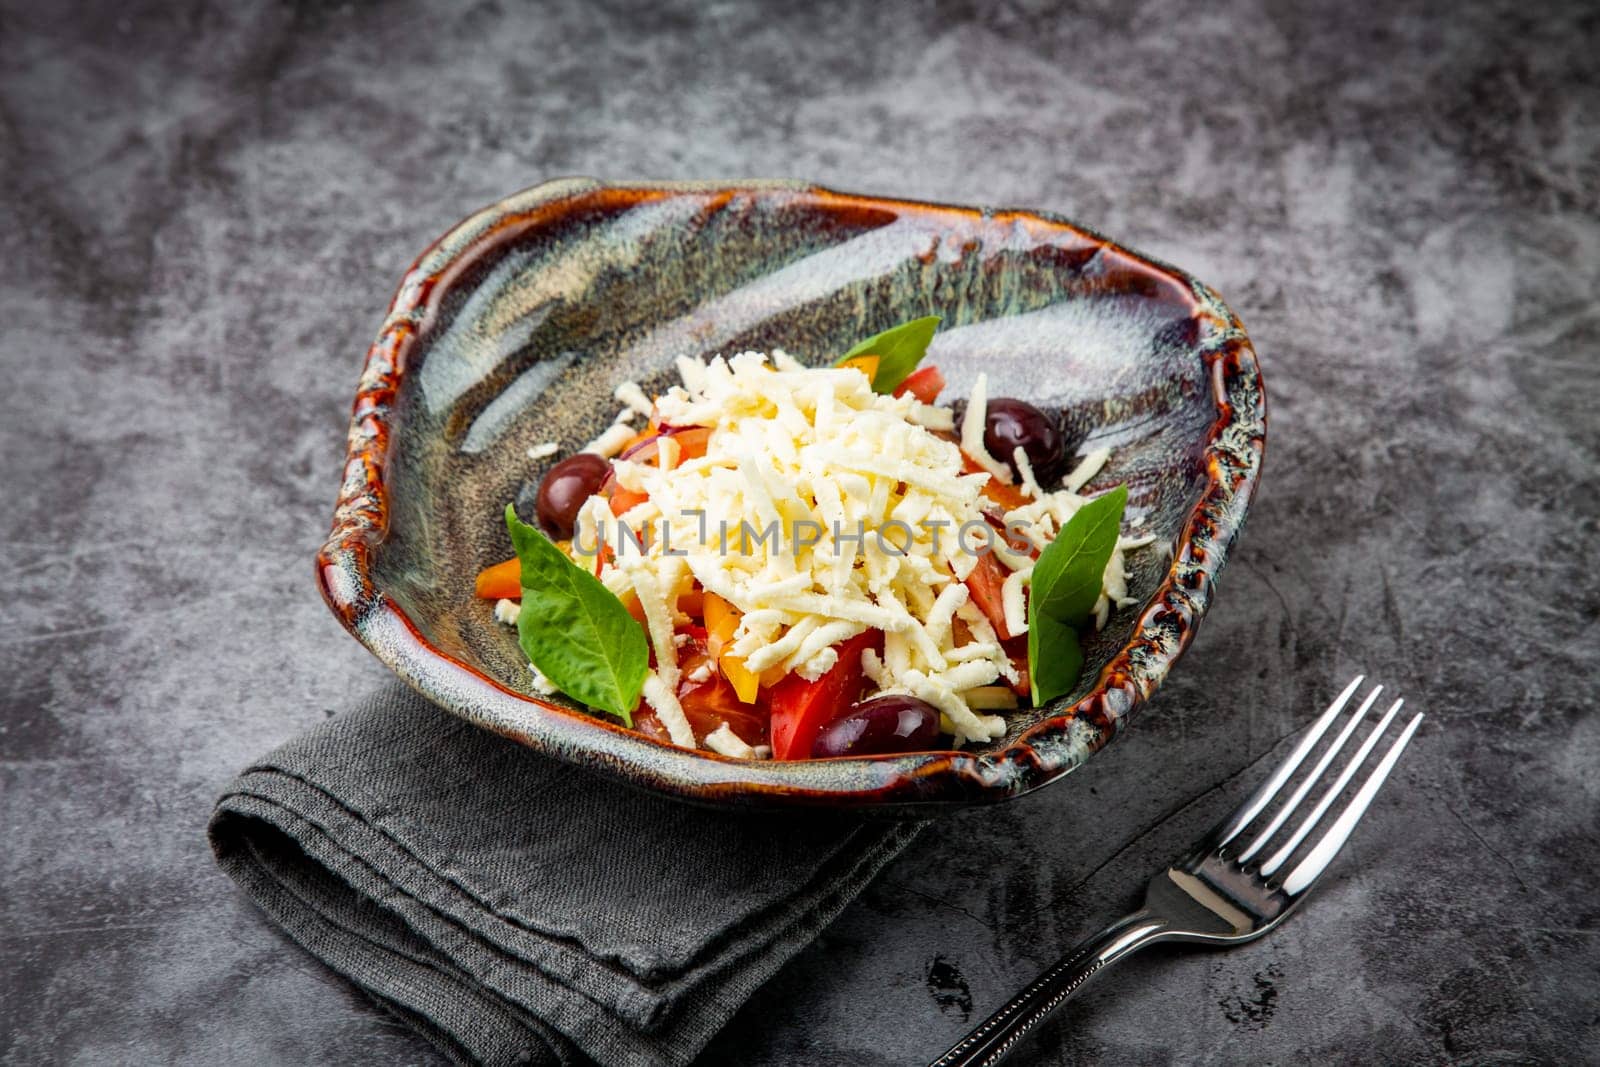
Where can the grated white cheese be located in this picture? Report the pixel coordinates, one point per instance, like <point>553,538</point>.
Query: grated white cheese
<point>1014,603</point>
<point>1030,485</point>
<point>818,450</point>
<point>668,710</point>
<point>541,684</point>
<point>955,716</point>
<point>630,394</point>
<point>611,440</point>
<point>972,425</point>
<point>544,450</point>
<point>728,743</point>
<point>668,452</point>
<point>930,417</point>
<point>820,509</point>
<point>784,361</point>
<point>506,611</point>
<point>1086,469</point>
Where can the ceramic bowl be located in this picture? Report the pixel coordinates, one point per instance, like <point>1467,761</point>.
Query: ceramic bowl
<point>514,328</point>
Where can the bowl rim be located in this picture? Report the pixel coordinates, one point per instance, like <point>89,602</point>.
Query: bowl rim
<point>913,784</point>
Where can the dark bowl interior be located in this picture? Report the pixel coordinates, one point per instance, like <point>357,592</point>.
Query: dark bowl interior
<point>514,329</point>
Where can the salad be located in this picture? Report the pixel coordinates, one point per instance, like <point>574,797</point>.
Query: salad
<point>793,563</point>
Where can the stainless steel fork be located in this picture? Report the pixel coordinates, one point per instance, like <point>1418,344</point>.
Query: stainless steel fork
<point>1224,892</point>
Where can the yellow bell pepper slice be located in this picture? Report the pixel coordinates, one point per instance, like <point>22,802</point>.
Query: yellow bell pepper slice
<point>722,618</point>
<point>867,364</point>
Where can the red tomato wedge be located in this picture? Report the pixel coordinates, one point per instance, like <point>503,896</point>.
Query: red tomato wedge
<point>984,584</point>
<point>800,709</point>
<point>707,706</point>
<point>501,580</point>
<point>1017,651</point>
<point>925,384</point>
<point>713,703</point>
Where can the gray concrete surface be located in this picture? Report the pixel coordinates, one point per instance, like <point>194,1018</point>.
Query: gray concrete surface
<point>204,209</point>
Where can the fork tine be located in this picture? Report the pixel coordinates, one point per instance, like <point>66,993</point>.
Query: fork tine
<point>1309,823</point>
<point>1269,789</point>
<point>1311,779</point>
<point>1322,853</point>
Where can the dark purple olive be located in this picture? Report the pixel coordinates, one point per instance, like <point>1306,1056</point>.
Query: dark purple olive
<point>1013,423</point>
<point>564,489</point>
<point>882,725</point>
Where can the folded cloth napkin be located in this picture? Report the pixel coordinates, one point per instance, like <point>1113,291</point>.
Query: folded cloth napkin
<point>518,910</point>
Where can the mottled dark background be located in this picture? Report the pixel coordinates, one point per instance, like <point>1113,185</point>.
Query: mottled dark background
<point>204,209</point>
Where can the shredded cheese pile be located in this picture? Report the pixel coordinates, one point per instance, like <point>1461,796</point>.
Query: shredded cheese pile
<point>799,463</point>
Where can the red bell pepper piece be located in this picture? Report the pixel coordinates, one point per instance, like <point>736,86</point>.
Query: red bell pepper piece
<point>707,705</point>
<point>710,704</point>
<point>800,709</point>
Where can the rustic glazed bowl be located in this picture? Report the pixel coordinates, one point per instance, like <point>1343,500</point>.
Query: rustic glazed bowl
<point>514,328</point>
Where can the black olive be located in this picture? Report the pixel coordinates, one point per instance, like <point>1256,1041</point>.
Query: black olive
<point>882,725</point>
<point>1016,423</point>
<point>564,489</point>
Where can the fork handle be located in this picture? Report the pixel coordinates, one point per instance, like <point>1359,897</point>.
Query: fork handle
<point>997,1035</point>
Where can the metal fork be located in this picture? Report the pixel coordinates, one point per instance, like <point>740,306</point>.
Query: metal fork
<point>1221,894</point>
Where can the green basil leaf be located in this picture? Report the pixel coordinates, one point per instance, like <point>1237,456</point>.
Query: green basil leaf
<point>1067,577</point>
<point>574,629</point>
<point>1054,659</point>
<point>899,350</point>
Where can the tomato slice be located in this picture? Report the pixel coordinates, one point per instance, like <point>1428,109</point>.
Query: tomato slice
<point>708,704</point>
<point>925,384</point>
<point>503,580</point>
<point>984,584</point>
<point>712,703</point>
<point>800,709</point>
<point>647,722</point>
<point>1017,650</point>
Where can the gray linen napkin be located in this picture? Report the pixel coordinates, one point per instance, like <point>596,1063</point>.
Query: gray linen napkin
<point>517,910</point>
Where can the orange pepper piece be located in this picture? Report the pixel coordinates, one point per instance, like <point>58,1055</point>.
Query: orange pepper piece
<point>503,580</point>
<point>692,442</point>
<point>622,500</point>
